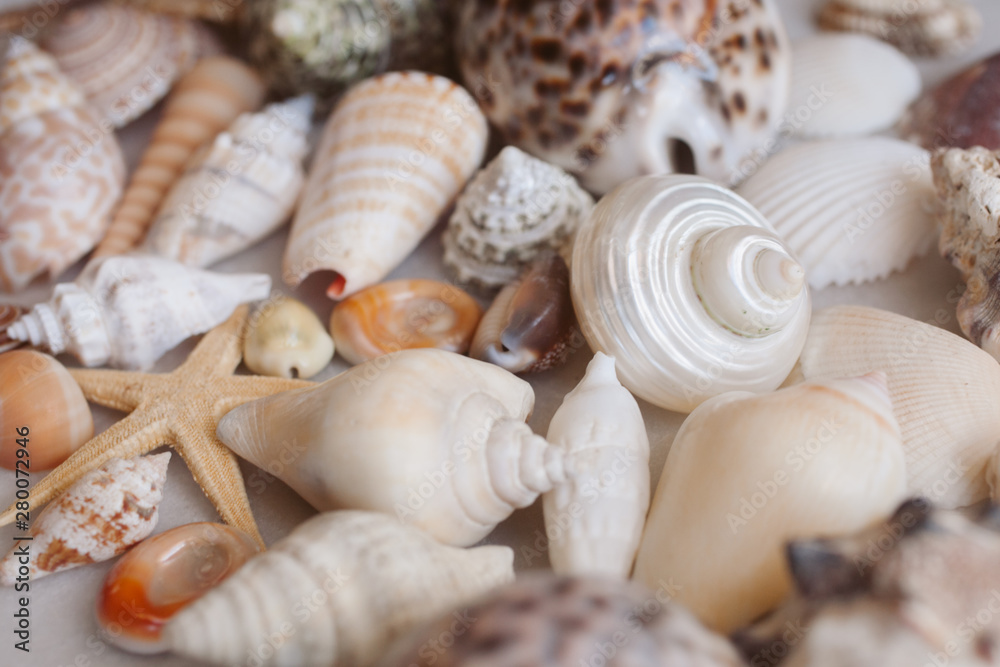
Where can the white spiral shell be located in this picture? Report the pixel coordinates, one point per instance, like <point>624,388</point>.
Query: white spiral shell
<point>691,291</point>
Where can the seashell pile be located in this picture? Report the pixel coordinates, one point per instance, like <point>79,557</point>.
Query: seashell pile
<point>917,27</point>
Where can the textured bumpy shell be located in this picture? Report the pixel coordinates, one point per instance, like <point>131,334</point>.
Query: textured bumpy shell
<point>367,580</point>
<point>667,278</point>
<point>549,621</point>
<point>962,112</point>
<point>396,151</point>
<point>945,393</point>
<point>125,59</point>
<point>236,190</point>
<point>516,208</point>
<point>594,520</point>
<point>916,27</point>
<point>60,174</point>
<point>848,85</point>
<point>204,102</point>
<point>37,393</point>
<point>851,210</point>
<point>129,310</point>
<point>437,464</point>
<point>968,183</point>
<point>614,90</point>
<point>104,513</point>
<point>747,473</point>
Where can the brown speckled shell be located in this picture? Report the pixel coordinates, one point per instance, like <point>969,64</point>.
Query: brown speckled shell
<point>543,620</point>
<point>560,79</point>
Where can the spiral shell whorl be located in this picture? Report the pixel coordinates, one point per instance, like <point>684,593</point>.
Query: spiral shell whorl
<point>648,290</point>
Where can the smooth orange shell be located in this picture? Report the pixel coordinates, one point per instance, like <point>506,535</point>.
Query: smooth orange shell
<point>38,393</point>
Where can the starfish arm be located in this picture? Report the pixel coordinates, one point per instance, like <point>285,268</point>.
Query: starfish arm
<point>137,434</point>
<point>120,390</point>
<point>222,347</point>
<point>217,471</point>
<point>240,389</point>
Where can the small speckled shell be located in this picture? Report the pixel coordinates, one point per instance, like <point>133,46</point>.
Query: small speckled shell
<point>916,27</point>
<point>104,513</point>
<point>962,112</point>
<point>545,620</point>
<point>611,90</point>
<point>516,208</point>
<point>394,154</point>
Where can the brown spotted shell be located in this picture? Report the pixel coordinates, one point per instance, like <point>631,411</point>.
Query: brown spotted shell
<point>543,620</point>
<point>612,89</point>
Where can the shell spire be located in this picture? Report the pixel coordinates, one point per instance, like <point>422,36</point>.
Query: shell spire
<point>603,438</point>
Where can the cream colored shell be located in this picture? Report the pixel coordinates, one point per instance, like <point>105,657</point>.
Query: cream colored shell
<point>286,339</point>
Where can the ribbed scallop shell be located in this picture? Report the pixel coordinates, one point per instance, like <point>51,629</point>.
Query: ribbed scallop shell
<point>395,152</point>
<point>235,190</point>
<point>852,210</point>
<point>916,27</point>
<point>848,85</point>
<point>945,393</point>
<point>125,59</point>
<point>689,289</point>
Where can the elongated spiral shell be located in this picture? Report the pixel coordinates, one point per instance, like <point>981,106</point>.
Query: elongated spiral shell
<point>687,286</point>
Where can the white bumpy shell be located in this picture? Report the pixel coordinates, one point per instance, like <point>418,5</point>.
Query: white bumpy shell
<point>688,287</point>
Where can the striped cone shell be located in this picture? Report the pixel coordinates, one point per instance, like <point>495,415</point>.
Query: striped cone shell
<point>396,151</point>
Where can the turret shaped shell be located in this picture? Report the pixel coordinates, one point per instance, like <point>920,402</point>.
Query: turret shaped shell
<point>689,289</point>
<point>615,90</point>
<point>747,473</point>
<point>379,180</point>
<point>128,310</point>
<point>514,210</point>
<point>454,459</point>
<point>551,621</point>
<point>60,172</point>
<point>367,578</point>
<point>236,190</point>
<point>594,520</point>
<point>945,393</point>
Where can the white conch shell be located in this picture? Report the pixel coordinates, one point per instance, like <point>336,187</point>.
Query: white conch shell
<point>381,177</point>
<point>123,58</point>
<point>286,340</point>
<point>689,289</point>
<point>594,520</point>
<point>236,190</point>
<point>851,210</point>
<point>848,85</point>
<point>128,310</point>
<point>366,578</point>
<point>104,513</point>
<point>747,473</point>
<point>945,393</point>
<point>454,459</point>
<point>515,209</point>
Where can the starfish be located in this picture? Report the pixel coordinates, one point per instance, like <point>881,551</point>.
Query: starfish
<point>181,408</point>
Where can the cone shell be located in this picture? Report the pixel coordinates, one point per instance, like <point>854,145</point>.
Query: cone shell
<point>918,28</point>
<point>849,85</point>
<point>204,102</point>
<point>434,464</point>
<point>104,513</point>
<point>235,190</point>
<point>747,473</point>
<point>377,580</point>
<point>563,621</point>
<point>594,520</point>
<point>852,211</point>
<point>962,112</point>
<point>944,390</point>
<point>686,285</point>
<point>394,154</point>
<point>125,59</point>
<point>61,172</point>
<point>42,407</point>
